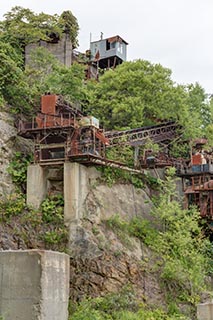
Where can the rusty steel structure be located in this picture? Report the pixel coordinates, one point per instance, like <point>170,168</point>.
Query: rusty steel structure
<point>161,133</point>
<point>197,180</point>
<point>198,189</point>
<point>64,133</point>
<point>61,132</point>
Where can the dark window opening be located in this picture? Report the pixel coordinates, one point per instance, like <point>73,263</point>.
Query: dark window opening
<point>107,45</point>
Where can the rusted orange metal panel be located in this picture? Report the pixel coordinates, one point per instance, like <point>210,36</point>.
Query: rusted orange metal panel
<point>196,159</point>
<point>48,104</point>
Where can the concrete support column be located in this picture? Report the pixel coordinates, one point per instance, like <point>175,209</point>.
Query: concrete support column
<point>36,185</point>
<point>205,311</point>
<point>34,285</point>
<point>75,191</point>
<point>136,156</point>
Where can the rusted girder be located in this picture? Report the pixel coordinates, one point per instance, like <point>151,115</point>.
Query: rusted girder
<point>158,133</point>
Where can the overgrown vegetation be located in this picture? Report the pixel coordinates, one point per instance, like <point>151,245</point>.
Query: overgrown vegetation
<point>181,244</point>
<point>183,254</point>
<point>48,221</point>
<point>20,89</point>
<point>13,206</point>
<point>120,306</point>
<point>52,213</point>
<point>22,26</point>
<point>18,169</point>
<point>141,93</point>
<point>113,175</point>
<point>136,227</point>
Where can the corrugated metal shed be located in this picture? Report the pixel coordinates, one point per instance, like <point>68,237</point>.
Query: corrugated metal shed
<point>104,49</point>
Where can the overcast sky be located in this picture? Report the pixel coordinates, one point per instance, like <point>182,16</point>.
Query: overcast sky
<point>176,33</point>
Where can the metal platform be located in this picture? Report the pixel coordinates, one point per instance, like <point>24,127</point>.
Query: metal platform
<point>89,160</point>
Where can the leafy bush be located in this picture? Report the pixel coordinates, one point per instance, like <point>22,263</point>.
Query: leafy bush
<point>114,175</point>
<point>55,236</point>
<point>52,214</point>
<point>120,306</point>
<point>136,227</point>
<point>52,209</point>
<point>18,169</point>
<point>142,229</point>
<point>186,256</point>
<point>13,206</point>
<point>180,243</point>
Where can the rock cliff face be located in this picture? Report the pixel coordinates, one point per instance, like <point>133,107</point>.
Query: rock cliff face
<point>9,144</point>
<point>101,261</point>
<point>8,136</point>
<point>124,199</point>
<point>102,264</point>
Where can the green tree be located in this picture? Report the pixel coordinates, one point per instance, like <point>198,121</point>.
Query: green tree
<point>69,24</point>
<point>68,82</point>
<point>137,93</point>
<point>140,93</point>
<point>22,26</point>
<point>14,88</point>
<point>181,245</point>
<point>47,74</point>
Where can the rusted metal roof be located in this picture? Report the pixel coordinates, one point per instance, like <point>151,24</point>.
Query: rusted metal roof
<point>116,39</point>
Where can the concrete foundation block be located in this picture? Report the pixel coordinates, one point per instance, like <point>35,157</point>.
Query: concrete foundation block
<point>34,285</point>
<point>205,311</point>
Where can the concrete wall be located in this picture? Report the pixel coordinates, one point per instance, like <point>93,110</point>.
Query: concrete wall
<point>62,50</point>
<point>75,179</point>
<point>205,311</point>
<point>36,185</point>
<point>34,285</point>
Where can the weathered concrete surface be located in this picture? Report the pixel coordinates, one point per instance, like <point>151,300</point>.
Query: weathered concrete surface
<point>205,311</point>
<point>34,285</point>
<point>36,185</point>
<point>77,179</point>
<point>62,50</point>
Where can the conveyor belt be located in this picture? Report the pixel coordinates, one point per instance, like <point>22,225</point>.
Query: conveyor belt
<point>158,133</point>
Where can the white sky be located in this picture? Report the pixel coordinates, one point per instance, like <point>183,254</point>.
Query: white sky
<point>176,33</point>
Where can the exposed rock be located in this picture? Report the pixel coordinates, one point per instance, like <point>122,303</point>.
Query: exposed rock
<point>101,264</point>
<point>9,144</point>
<point>108,273</point>
<point>103,201</point>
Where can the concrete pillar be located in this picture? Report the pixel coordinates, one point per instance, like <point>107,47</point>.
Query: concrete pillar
<point>67,51</point>
<point>36,185</point>
<point>136,156</point>
<point>34,285</point>
<point>75,191</point>
<point>205,311</point>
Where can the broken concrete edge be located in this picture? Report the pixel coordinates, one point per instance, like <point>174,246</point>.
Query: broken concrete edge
<point>40,277</point>
<point>205,311</point>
